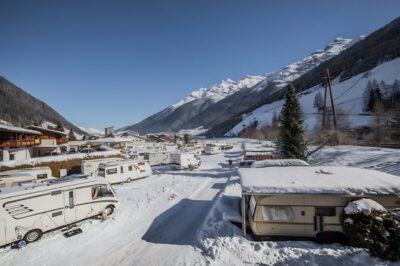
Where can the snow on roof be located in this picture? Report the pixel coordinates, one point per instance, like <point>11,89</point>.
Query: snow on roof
<point>365,206</point>
<point>279,162</point>
<point>18,130</point>
<point>111,140</point>
<point>48,130</point>
<point>317,180</point>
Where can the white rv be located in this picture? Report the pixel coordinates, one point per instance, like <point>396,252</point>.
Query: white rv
<point>157,158</point>
<point>90,167</point>
<point>195,148</point>
<point>13,177</point>
<point>308,201</point>
<point>29,210</point>
<point>184,160</point>
<point>124,171</point>
<point>212,150</point>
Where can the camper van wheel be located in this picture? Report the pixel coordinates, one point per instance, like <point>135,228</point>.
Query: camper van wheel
<point>33,235</point>
<point>129,180</point>
<point>109,210</point>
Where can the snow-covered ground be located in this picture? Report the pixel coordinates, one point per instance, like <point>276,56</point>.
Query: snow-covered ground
<point>348,96</point>
<point>176,218</point>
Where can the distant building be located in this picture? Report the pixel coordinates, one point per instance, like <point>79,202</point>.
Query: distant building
<point>50,140</point>
<point>109,132</point>
<point>17,143</point>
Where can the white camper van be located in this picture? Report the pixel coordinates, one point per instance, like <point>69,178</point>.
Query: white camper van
<point>13,177</point>
<point>29,210</point>
<point>124,171</point>
<point>212,150</point>
<point>184,160</point>
<point>157,158</point>
<point>90,167</point>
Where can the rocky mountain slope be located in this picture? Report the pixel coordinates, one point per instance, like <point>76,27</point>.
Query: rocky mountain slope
<point>21,109</point>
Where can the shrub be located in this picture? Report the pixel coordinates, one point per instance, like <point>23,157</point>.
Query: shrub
<point>378,231</point>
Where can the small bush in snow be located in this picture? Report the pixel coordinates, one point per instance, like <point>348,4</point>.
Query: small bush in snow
<point>376,230</point>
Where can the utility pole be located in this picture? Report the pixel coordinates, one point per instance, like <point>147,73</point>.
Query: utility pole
<point>328,86</point>
<point>328,77</point>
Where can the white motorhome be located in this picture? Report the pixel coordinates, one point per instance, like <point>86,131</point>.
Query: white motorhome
<point>124,171</point>
<point>212,150</point>
<point>157,158</point>
<point>90,167</point>
<point>29,210</point>
<point>184,160</point>
<point>308,201</point>
<point>13,177</point>
<point>195,148</point>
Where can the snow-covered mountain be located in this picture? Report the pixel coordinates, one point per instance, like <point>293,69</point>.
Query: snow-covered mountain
<point>220,90</point>
<point>92,131</point>
<point>348,97</point>
<point>196,105</point>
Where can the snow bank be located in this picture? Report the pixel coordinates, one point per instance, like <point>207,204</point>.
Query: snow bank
<point>365,206</point>
<point>58,158</point>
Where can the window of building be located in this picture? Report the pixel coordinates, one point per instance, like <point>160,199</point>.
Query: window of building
<point>112,171</point>
<point>277,213</point>
<point>12,156</point>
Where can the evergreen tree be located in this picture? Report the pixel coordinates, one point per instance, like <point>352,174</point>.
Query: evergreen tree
<point>291,142</point>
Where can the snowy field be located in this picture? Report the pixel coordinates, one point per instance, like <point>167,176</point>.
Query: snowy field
<point>176,218</point>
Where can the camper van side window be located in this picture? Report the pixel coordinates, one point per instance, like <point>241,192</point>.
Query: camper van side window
<point>140,163</point>
<point>130,168</point>
<point>41,176</point>
<point>71,199</point>
<point>277,213</point>
<point>112,171</point>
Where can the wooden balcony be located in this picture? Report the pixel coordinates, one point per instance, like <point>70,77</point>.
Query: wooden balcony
<point>19,143</point>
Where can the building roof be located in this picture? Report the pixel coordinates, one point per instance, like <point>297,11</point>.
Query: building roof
<point>47,130</point>
<point>18,130</point>
<point>337,180</point>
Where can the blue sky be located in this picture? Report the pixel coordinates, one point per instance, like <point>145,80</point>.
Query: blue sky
<point>117,62</point>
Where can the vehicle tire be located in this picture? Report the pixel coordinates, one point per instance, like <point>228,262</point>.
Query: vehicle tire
<point>109,210</point>
<point>33,235</point>
<point>129,180</point>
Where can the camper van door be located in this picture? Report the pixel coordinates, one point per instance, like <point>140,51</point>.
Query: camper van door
<point>70,210</point>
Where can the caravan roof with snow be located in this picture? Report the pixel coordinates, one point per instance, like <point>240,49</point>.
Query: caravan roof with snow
<point>279,162</point>
<point>317,180</point>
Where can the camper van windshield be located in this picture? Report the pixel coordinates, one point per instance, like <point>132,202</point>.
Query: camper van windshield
<point>101,191</point>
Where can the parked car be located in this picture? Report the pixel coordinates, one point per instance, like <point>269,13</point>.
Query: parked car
<point>87,150</point>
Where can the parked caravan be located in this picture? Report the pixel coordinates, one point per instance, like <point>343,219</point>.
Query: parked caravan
<point>157,158</point>
<point>308,201</point>
<point>195,148</point>
<point>30,210</point>
<point>12,177</point>
<point>124,171</point>
<point>212,150</point>
<point>90,167</point>
<point>184,160</point>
